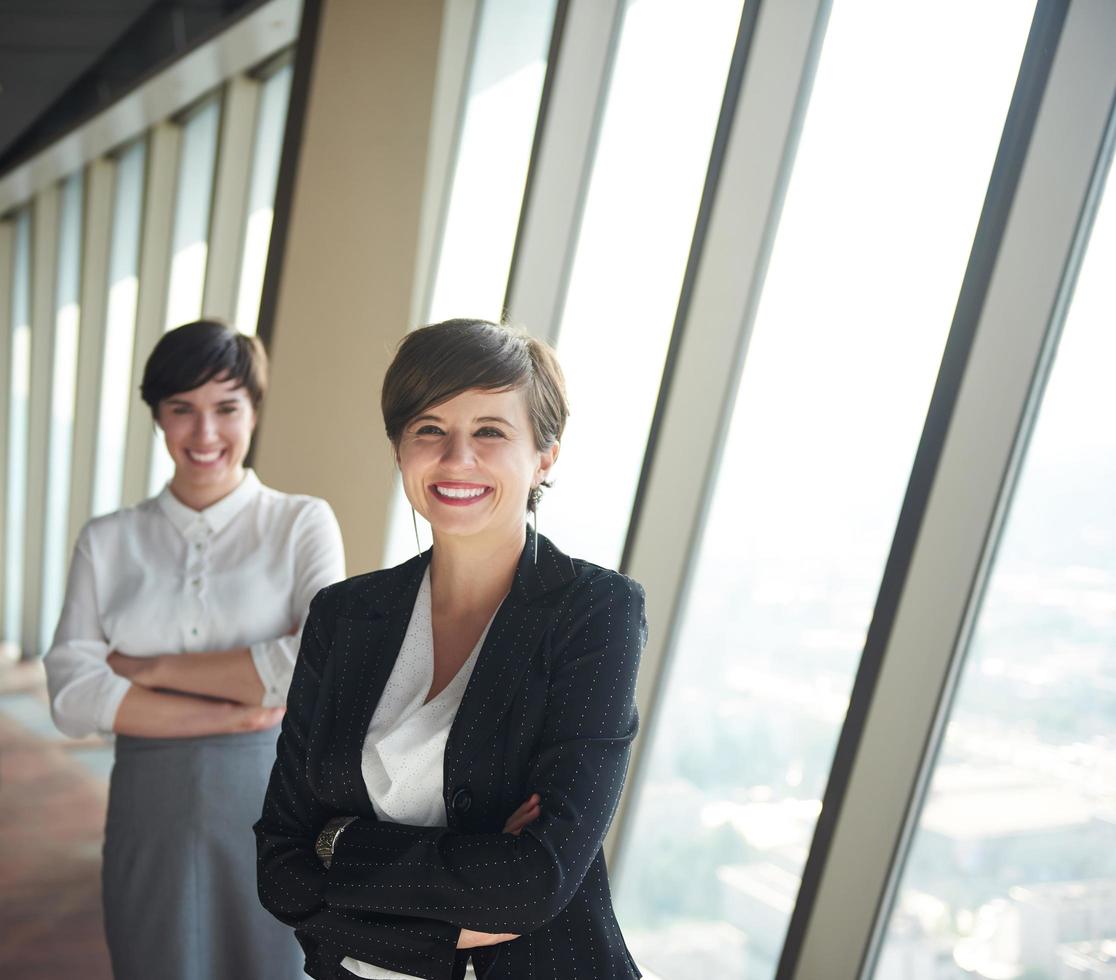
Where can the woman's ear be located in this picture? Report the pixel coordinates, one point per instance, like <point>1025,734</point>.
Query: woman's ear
<point>547,459</point>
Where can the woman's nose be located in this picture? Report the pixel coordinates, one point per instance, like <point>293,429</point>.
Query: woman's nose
<point>205,425</point>
<point>459,451</point>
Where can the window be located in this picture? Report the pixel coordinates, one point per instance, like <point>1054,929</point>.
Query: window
<point>848,334</point>
<point>490,173</point>
<point>67,319</point>
<point>505,85</point>
<point>1012,870</point>
<point>661,113</point>
<point>120,328</point>
<point>274,96</point>
<point>189,246</point>
<point>18,395</point>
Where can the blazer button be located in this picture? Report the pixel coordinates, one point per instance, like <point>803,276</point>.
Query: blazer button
<point>462,800</point>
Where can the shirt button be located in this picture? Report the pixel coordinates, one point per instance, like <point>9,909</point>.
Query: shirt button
<point>197,582</point>
<point>199,545</point>
<point>462,799</point>
<point>194,632</point>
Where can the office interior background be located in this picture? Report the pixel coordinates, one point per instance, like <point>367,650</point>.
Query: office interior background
<point>834,286</point>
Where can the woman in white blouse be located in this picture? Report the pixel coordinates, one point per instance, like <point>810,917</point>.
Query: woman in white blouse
<point>179,634</point>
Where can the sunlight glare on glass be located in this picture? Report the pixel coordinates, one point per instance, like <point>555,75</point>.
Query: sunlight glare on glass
<point>266,153</point>
<point>1012,871</point>
<point>648,176</point>
<point>486,197</point>
<point>62,396</point>
<point>875,233</point>
<point>120,329</point>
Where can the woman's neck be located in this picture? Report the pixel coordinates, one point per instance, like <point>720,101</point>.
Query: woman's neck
<point>200,497</point>
<point>471,574</point>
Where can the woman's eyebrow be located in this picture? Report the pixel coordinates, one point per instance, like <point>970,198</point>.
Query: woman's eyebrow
<point>476,421</point>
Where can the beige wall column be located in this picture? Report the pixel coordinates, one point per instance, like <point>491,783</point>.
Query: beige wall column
<point>342,276</point>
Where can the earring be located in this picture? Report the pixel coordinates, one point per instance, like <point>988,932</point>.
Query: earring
<point>533,499</point>
<point>414,523</point>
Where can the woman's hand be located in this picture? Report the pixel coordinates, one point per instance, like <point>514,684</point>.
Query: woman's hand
<point>228,675</point>
<point>139,670</point>
<point>253,718</point>
<point>468,939</point>
<point>155,714</point>
<point>527,813</point>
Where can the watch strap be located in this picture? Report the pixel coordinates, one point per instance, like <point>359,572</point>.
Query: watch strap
<point>327,839</point>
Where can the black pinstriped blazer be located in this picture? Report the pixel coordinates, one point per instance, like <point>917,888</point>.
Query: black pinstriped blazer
<point>550,708</point>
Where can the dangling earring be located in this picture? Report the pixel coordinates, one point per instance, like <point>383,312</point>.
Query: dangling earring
<point>414,522</point>
<point>533,499</point>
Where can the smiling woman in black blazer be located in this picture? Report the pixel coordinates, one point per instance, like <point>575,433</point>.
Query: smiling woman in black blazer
<point>458,727</point>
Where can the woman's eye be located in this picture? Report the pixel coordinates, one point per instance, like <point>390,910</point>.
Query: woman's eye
<point>181,410</point>
<point>489,433</point>
<point>428,430</point>
<point>229,409</point>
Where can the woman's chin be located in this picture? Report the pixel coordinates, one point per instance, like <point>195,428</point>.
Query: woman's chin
<point>482,526</point>
<point>201,475</point>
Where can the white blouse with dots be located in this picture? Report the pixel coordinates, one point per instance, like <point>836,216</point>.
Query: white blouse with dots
<point>406,740</point>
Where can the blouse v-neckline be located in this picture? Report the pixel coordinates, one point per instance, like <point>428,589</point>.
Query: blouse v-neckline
<point>424,607</point>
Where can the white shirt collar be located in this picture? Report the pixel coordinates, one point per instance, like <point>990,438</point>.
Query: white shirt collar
<point>216,516</point>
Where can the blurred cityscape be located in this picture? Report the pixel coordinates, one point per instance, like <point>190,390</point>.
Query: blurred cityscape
<point>1012,873</point>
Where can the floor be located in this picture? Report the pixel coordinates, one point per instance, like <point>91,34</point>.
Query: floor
<point>52,810</point>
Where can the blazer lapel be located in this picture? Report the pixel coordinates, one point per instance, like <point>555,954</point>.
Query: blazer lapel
<point>366,647</point>
<point>513,639</point>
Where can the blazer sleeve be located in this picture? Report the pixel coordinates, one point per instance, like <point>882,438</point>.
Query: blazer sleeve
<point>505,883</point>
<point>290,878</point>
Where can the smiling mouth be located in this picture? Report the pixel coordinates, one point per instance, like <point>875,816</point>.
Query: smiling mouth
<point>204,458</point>
<point>460,495</point>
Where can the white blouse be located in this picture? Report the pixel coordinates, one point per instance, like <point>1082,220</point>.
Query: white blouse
<point>402,759</point>
<point>161,578</point>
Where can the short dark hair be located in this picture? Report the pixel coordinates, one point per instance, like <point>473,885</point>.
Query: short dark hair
<point>194,354</point>
<point>436,363</point>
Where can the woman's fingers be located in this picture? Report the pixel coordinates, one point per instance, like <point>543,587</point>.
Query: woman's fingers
<point>469,939</point>
<point>527,813</point>
<point>525,808</point>
<point>139,670</point>
<point>256,719</point>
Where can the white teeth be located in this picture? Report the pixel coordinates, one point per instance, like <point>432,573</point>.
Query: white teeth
<point>460,492</point>
<point>203,457</point>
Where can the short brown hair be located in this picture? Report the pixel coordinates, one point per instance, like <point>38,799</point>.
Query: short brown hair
<point>194,354</point>
<point>436,363</point>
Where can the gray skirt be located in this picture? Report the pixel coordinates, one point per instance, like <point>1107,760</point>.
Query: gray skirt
<point>179,876</point>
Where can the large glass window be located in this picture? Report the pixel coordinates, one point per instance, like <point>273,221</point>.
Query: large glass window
<point>190,242</point>
<point>19,388</point>
<point>877,226</point>
<point>267,148</point>
<point>490,173</point>
<point>1012,872</point>
<point>120,329</point>
<point>67,319</point>
<point>648,175</point>
<point>502,105</point>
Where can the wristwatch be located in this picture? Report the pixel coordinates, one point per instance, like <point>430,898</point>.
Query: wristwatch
<point>327,839</point>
